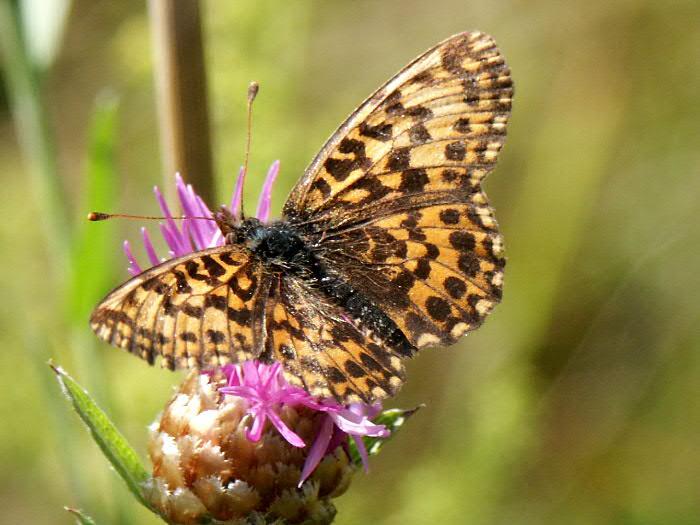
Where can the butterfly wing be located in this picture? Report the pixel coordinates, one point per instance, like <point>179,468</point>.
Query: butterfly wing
<point>394,199</point>
<point>322,350</point>
<point>199,310</point>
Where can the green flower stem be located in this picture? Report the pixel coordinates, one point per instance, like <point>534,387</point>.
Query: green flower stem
<point>34,134</point>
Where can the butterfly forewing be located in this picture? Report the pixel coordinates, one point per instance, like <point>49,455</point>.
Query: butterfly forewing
<point>199,310</point>
<point>396,193</point>
<point>446,110</point>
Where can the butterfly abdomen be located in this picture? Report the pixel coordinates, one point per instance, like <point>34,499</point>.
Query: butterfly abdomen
<point>363,310</point>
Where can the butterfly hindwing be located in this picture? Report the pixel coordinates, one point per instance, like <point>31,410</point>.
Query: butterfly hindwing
<point>436,278</point>
<point>198,310</point>
<point>395,196</point>
<point>322,350</point>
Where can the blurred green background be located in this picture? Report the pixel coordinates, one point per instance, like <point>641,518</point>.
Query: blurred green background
<point>579,399</point>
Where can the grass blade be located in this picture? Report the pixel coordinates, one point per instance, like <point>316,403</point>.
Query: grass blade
<point>91,264</point>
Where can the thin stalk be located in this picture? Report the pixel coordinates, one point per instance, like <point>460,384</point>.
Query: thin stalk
<point>181,93</point>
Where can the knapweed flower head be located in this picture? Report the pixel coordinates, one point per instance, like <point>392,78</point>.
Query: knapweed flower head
<point>240,439</point>
<point>233,443</point>
<point>205,467</point>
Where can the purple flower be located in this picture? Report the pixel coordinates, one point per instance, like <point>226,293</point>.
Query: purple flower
<point>263,387</point>
<point>267,392</point>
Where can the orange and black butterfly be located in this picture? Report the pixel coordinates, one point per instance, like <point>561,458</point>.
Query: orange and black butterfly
<point>386,245</point>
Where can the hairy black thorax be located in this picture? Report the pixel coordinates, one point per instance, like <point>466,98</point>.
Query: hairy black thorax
<point>281,247</point>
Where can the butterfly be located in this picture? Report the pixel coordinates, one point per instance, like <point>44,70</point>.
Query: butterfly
<point>386,245</point>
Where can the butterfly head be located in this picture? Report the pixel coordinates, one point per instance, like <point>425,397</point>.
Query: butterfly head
<point>234,229</point>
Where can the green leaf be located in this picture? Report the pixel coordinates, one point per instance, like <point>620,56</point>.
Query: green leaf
<point>80,517</point>
<point>91,260</point>
<point>113,445</point>
<point>393,419</point>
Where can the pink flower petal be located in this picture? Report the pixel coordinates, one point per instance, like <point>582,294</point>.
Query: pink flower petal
<point>263,212</point>
<point>250,373</point>
<point>286,432</point>
<point>237,200</point>
<point>164,206</point>
<point>362,428</point>
<point>318,449</point>
<point>177,241</point>
<point>362,450</point>
<point>254,433</point>
<point>171,240</point>
<point>149,247</point>
<point>246,392</point>
<point>209,228</point>
<point>134,268</point>
<point>188,202</point>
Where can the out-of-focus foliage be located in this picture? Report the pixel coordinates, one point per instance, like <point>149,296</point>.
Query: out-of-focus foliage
<point>577,402</point>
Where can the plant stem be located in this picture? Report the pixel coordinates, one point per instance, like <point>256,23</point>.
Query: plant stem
<point>181,92</point>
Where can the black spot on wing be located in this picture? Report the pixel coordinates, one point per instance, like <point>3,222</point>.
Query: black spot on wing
<point>399,159</point>
<point>192,311</point>
<point>381,132</point>
<point>455,287</point>
<point>353,369</point>
<point>419,134</point>
<point>414,181</point>
<point>455,151</point>
<point>322,186</point>
<point>218,302</point>
<point>212,266</point>
<point>438,308</point>
<point>449,216</point>
<point>216,336</point>
<point>182,285</point>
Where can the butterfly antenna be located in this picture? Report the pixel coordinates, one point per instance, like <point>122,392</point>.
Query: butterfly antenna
<point>99,216</point>
<point>253,89</point>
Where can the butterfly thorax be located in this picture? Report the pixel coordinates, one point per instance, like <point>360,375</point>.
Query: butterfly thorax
<point>278,245</point>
